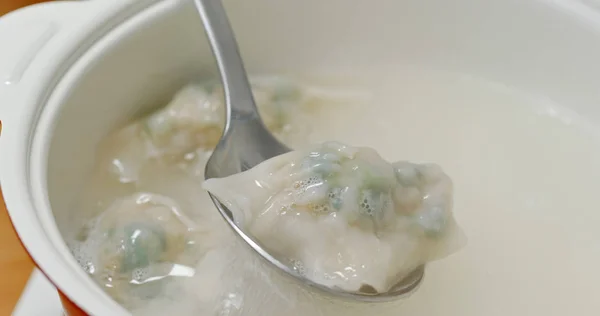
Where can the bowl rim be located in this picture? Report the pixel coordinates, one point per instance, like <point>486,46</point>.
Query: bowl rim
<point>27,135</point>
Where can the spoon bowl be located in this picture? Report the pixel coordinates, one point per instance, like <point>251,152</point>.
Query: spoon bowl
<point>246,142</point>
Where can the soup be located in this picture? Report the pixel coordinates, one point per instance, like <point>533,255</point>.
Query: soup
<point>519,165</point>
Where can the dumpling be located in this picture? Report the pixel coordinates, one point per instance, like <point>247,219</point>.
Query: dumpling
<point>343,216</point>
<point>135,248</point>
<point>192,122</point>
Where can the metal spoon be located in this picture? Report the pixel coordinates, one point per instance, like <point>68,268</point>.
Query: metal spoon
<point>246,142</point>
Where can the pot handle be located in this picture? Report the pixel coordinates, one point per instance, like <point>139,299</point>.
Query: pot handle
<point>29,31</point>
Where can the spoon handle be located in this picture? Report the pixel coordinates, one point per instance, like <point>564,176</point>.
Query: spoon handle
<point>238,94</point>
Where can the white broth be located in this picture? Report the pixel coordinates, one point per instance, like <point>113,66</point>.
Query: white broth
<point>523,170</point>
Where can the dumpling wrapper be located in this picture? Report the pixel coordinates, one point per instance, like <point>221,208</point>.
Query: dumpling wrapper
<point>343,216</point>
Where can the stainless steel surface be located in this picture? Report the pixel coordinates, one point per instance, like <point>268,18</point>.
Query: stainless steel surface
<point>246,142</point>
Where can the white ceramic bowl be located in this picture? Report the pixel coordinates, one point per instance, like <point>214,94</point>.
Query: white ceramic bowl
<point>71,71</point>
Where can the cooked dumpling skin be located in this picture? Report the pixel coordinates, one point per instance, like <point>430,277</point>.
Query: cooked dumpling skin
<point>344,216</point>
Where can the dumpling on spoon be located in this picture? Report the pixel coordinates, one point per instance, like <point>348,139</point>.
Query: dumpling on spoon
<point>343,216</point>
